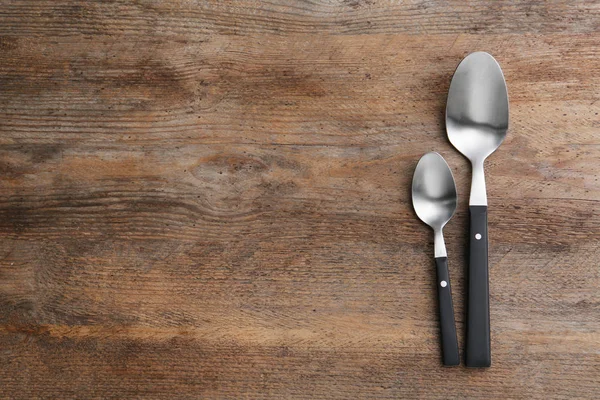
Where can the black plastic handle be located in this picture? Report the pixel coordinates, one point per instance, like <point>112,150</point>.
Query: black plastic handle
<point>447,326</point>
<point>478,312</point>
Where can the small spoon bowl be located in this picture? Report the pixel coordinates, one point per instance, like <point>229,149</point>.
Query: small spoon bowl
<point>434,191</point>
<point>434,195</point>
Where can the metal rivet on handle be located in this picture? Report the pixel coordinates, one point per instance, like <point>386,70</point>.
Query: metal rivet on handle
<point>443,283</point>
<point>478,236</point>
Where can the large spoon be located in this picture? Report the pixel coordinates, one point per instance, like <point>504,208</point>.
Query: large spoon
<point>476,122</point>
<point>434,201</point>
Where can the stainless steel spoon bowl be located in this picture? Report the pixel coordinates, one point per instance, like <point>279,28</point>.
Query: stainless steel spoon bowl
<point>476,123</point>
<point>477,114</point>
<point>434,196</point>
<point>434,200</point>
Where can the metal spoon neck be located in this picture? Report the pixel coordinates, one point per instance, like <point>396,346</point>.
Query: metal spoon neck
<point>478,193</point>
<point>439,247</point>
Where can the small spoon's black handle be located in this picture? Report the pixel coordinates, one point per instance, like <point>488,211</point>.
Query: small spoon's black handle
<point>478,312</point>
<point>447,326</point>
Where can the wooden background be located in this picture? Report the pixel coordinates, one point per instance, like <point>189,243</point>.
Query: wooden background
<point>210,199</point>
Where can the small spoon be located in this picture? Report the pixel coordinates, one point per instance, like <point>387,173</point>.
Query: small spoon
<point>434,200</point>
<point>476,123</point>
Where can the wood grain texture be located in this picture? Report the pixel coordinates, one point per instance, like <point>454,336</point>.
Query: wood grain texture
<point>210,199</point>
